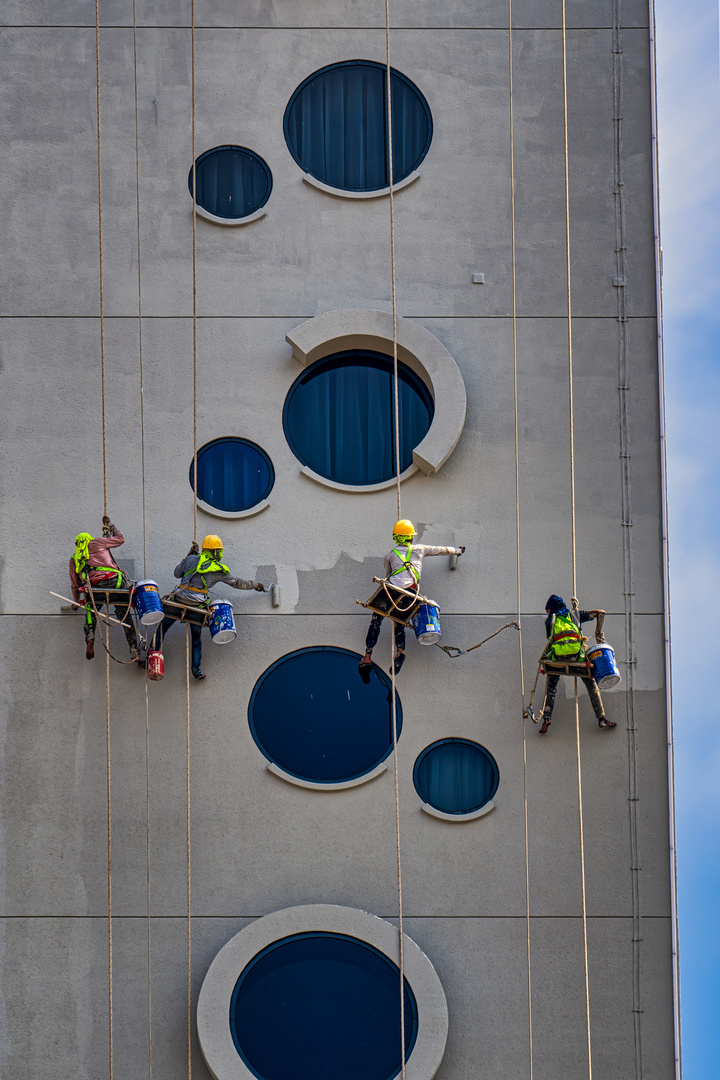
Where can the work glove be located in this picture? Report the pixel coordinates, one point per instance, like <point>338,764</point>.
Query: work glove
<point>461,550</point>
<point>106,519</point>
<point>259,587</point>
<point>194,549</point>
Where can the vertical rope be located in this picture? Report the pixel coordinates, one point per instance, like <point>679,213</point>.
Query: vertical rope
<point>100,244</point>
<point>401,940</point>
<point>109,864</point>
<point>194,271</point>
<point>573,536</point>
<point>187,826</point>
<point>144,527</point>
<point>517,533</point>
<point>104,456</point>
<point>392,258</point>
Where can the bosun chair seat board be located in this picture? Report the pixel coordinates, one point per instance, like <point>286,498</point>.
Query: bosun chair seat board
<point>394,602</point>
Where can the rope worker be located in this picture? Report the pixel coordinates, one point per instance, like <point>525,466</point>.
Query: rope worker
<point>403,567</point>
<point>93,563</point>
<point>199,571</point>
<point>566,643</point>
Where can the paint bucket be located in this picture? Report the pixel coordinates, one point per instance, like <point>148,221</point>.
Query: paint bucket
<point>427,624</point>
<point>222,624</point>
<point>146,601</point>
<point>155,666</point>
<point>605,669</point>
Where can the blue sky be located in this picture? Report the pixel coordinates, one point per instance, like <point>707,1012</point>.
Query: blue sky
<point>689,140</point>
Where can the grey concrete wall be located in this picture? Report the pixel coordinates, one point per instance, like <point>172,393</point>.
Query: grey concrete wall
<point>258,843</point>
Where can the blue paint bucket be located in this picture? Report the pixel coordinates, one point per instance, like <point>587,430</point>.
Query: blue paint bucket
<point>222,623</point>
<point>605,669</point>
<point>426,624</point>
<point>146,601</point>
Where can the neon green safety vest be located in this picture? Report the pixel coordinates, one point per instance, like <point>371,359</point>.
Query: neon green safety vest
<point>565,641</point>
<point>206,565</point>
<point>406,564</point>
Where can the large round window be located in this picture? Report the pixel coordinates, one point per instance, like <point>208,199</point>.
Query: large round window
<point>312,716</point>
<point>336,126</point>
<point>339,417</point>
<point>233,475</point>
<point>321,1005</point>
<point>231,182</point>
<point>456,776</point>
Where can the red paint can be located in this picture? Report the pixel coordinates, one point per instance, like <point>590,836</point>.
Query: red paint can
<point>156,666</point>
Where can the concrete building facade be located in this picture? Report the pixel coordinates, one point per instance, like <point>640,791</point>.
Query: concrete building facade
<point>550,920</point>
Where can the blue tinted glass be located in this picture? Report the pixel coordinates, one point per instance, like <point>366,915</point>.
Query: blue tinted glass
<point>231,182</point>
<point>339,417</point>
<point>233,474</point>
<point>456,776</point>
<point>319,1007</point>
<point>312,715</point>
<point>336,126</point>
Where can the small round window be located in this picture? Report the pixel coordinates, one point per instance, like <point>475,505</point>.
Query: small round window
<point>336,126</point>
<point>231,182</point>
<point>233,475</point>
<point>456,776</point>
<point>312,716</point>
<point>321,1005</point>
<point>339,417</point>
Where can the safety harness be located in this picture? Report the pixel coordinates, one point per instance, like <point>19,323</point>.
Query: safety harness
<point>206,564</point>
<point>565,641</point>
<point>405,564</point>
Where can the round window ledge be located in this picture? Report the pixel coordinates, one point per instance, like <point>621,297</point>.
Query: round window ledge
<point>250,512</point>
<point>358,489</point>
<point>458,817</point>
<point>313,785</point>
<point>421,351</point>
<point>379,193</point>
<point>214,1033</point>
<point>203,213</point>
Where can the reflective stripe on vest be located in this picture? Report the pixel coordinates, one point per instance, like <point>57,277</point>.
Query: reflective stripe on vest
<point>565,639</point>
<point>406,564</point>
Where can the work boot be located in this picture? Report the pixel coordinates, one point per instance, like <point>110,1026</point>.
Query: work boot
<point>90,649</point>
<point>364,668</point>
<point>546,722</point>
<point>198,674</point>
<point>399,661</point>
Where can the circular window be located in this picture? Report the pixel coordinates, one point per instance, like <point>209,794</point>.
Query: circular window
<point>321,1004</point>
<point>233,475</point>
<point>336,126</point>
<point>231,182</point>
<point>312,716</point>
<point>456,776</point>
<point>339,417</point>
<point>314,991</point>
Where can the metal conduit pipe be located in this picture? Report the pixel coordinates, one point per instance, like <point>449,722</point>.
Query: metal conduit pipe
<point>665,550</point>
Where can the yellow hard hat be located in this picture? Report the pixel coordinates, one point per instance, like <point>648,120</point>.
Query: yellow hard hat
<point>212,543</point>
<point>404,528</point>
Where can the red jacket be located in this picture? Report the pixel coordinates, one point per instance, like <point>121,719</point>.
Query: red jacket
<point>98,555</point>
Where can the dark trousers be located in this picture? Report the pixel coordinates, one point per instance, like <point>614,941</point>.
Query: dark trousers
<point>195,635</point>
<point>374,633</point>
<point>592,689</point>
<point>122,615</point>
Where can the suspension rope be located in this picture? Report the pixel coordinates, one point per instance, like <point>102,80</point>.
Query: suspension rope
<point>104,457</point>
<point>573,535</point>
<point>392,263</point>
<point>100,245</point>
<point>517,537</point>
<point>401,939</point>
<point>187,826</point>
<point>144,536</point>
<point>194,271</point>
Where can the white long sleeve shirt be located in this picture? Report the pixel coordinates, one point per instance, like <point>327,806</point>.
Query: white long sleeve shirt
<point>406,579</point>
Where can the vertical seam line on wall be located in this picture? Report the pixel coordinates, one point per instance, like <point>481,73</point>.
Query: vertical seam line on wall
<point>627,517</point>
<point>573,535</point>
<point>517,534</point>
